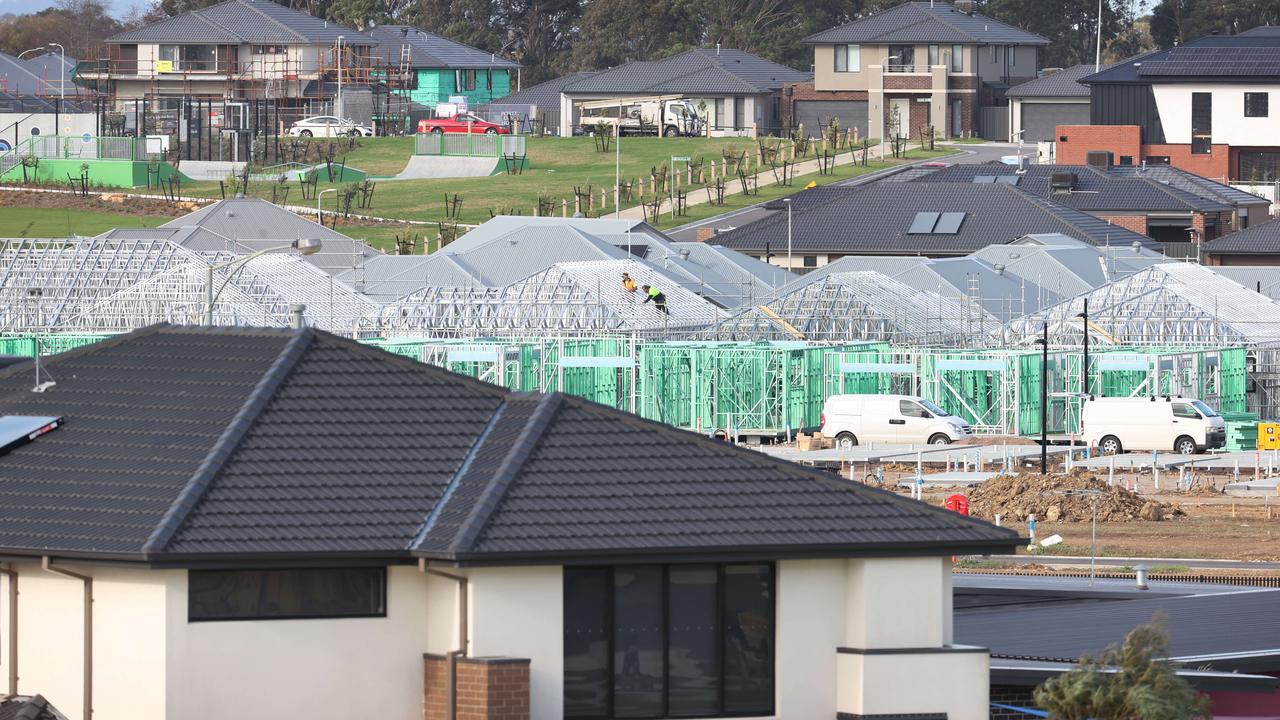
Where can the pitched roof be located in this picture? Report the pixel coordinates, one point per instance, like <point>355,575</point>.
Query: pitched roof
<point>1063,83</point>
<point>1256,240</point>
<point>189,444</point>
<point>19,78</point>
<point>926,22</point>
<point>1094,188</point>
<point>723,71</point>
<point>545,95</point>
<point>876,219</point>
<point>428,50</point>
<point>243,21</point>
<point>1192,183</point>
<point>1246,57</point>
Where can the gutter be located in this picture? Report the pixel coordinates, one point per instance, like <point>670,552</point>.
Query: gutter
<point>13,628</point>
<point>47,565</point>
<point>453,655</point>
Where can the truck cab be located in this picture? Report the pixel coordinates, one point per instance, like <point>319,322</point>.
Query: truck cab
<point>669,117</point>
<point>1167,424</point>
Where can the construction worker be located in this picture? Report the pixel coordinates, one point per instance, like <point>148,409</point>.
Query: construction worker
<point>654,294</point>
<point>628,283</point>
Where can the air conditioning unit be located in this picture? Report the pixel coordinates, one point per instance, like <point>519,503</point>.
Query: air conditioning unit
<point>1098,158</point>
<point>1062,181</point>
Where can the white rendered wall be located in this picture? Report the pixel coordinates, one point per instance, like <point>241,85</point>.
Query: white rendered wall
<point>1230,126</point>
<point>809,627</point>
<point>519,612</point>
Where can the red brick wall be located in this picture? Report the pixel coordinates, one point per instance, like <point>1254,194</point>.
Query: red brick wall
<point>487,688</point>
<point>1080,139</point>
<point>1136,223</point>
<point>1216,164</point>
<point>898,81</point>
<point>1264,260</point>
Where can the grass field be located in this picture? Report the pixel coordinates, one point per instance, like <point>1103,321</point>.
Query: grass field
<point>17,222</point>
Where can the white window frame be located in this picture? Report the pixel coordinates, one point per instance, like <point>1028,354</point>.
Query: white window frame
<point>935,55</point>
<point>852,55</point>
<point>957,58</point>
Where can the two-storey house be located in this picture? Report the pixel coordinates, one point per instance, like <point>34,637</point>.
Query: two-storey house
<point>436,68</point>
<point>230,67</point>
<point>1203,107</point>
<point>914,66</point>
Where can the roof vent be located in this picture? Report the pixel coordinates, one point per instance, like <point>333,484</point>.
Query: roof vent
<point>999,269</point>
<point>684,254</point>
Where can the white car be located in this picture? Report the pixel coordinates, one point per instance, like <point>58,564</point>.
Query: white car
<point>908,419</point>
<point>328,126</point>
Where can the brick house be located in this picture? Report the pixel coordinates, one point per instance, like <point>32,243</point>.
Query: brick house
<point>1202,107</point>
<point>916,65</point>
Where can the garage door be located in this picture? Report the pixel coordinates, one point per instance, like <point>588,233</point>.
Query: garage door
<point>1039,120</point>
<point>814,114</point>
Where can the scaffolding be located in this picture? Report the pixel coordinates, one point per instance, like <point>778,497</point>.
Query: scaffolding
<point>570,299</point>
<point>863,305</point>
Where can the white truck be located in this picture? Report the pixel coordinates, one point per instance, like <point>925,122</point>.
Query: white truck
<point>670,117</point>
<point>1181,425</point>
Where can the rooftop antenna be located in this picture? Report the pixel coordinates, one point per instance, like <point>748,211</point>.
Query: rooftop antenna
<point>35,295</point>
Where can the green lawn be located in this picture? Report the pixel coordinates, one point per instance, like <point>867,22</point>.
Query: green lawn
<point>842,171</point>
<point>16,222</point>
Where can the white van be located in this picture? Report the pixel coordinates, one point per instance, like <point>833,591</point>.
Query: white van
<point>1181,425</point>
<point>853,419</point>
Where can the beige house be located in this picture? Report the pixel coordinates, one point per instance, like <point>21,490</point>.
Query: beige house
<point>915,66</point>
<point>261,524</point>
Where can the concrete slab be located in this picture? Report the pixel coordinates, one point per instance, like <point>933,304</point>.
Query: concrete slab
<point>951,478</point>
<point>1253,488</point>
<point>433,167</point>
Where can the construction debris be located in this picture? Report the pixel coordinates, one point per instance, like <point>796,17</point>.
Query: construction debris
<point>1050,499</point>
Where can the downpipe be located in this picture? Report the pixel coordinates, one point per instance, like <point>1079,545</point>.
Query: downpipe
<point>87,580</point>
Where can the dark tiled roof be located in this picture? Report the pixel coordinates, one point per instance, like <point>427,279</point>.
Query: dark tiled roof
<point>1199,59</point>
<point>1063,83</point>
<point>1242,622</point>
<point>25,707</point>
<point>874,220</point>
<point>1259,239</point>
<point>1192,183</point>
<point>925,22</point>
<point>1095,189</point>
<point>190,444</point>
<point>545,96</point>
<point>722,71</point>
<point>19,78</point>
<point>428,50</point>
<point>242,21</point>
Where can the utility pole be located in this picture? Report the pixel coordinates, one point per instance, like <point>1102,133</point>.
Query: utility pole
<point>790,265</point>
<point>1097,58</point>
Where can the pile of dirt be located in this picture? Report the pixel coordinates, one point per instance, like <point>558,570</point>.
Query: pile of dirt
<point>1015,497</point>
<point>117,203</point>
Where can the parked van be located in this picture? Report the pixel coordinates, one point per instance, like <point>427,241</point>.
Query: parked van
<point>1181,425</point>
<point>853,419</point>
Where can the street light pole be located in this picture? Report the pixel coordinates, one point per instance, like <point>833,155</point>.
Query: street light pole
<point>62,83</point>
<point>338,105</point>
<point>308,246</point>
<point>790,264</point>
<point>319,212</point>
<point>1085,317</point>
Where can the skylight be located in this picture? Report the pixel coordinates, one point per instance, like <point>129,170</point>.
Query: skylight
<point>18,430</point>
<point>932,223</point>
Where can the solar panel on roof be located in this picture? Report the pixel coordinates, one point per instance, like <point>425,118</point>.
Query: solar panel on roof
<point>18,430</point>
<point>984,178</point>
<point>923,224</point>
<point>949,223</point>
<point>1008,179</point>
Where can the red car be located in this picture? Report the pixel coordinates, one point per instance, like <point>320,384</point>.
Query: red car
<point>460,123</point>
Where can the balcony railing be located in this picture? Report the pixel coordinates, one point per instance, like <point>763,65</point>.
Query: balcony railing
<point>906,68</point>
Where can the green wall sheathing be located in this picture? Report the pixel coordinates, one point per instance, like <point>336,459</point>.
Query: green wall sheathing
<point>437,85</point>
<point>1242,430</point>
<point>25,345</point>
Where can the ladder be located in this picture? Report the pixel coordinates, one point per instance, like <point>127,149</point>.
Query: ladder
<point>406,60</point>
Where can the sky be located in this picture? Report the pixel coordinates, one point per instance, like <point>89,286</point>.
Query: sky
<point>21,7</point>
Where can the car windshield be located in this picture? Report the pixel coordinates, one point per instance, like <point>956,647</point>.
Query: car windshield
<point>931,407</point>
<point>1204,409</point>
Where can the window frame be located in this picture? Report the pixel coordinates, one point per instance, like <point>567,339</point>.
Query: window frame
<point>1202,135</point>
<point>957,58</point>
<point>1266,104</point>
<point>852,55</point>
<point>934,53</point>
<point>720,640</point>
<point>380,613</point>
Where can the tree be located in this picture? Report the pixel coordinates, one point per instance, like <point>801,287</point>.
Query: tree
<point>79,25</point>
<point>1174,22</point>
<point>1134,41</point>
<point>1071,28</point>
<point>1124,683</point>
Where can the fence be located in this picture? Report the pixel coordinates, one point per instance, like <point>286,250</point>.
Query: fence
<point>469,144</point>
<point>66,147</point>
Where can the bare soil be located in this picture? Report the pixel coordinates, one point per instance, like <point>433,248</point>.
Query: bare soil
<point>116,204</point>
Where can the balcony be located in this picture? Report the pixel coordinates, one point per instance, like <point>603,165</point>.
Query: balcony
<point>916,69</point>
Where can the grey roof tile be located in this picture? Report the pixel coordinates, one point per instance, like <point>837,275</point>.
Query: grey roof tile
<point>926,22</point>
<point>874,219</point>
<point>1063,83</point>
<point>243,21</point>
<point>1261,239</point>
<point>545,96</point>
<point>428,50</point>
<point>723,71</point>
<point>184,444</point>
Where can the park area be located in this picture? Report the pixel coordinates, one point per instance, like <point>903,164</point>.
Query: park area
<point>562,174</point>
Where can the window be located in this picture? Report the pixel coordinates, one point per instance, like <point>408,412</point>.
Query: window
<point>649,641</point>
<point>848,58</point>
<point>902,58</point>
<point>957,58</point>
<point>269,50</point>
<point>1205,410</point>
<point>957,118</point>
<point>995,53</point>
<point>1126,159</point>
<point>284,594</point>
<point>811,261</point>
<point>933,55</point>
<point>188,58</point>
<point>739,113</point>
<point>464,79</point>
<point>1183,410</point>
<point>1201,123</point>
<point>1255,104</point>
<point>1157,160</point>
<point>906,408</point>
<point>1259,166</point>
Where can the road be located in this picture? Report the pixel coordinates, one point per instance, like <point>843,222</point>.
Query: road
<point>971,155</point>
<point>1193,563</point>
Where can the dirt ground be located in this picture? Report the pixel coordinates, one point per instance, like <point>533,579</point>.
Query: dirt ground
<point>94,203</point>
